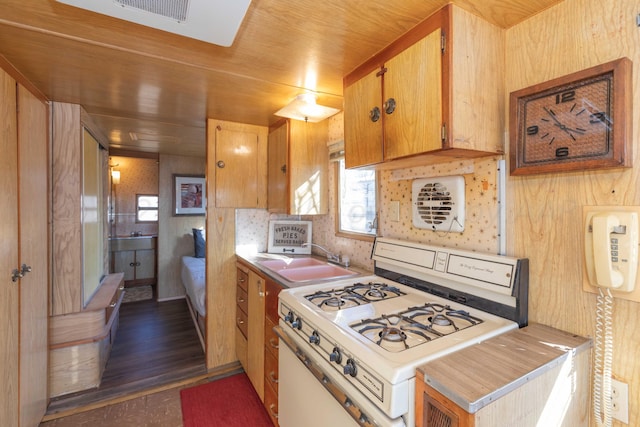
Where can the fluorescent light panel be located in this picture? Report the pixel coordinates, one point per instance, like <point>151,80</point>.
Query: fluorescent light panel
<point>212,21</point>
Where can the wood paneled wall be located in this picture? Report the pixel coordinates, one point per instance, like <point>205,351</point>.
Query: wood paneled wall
<point>545,211</point>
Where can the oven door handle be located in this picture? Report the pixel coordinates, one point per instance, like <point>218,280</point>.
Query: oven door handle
<point>356,413</point>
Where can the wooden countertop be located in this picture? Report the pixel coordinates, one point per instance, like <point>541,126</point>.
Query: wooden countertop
<point>477,375</point>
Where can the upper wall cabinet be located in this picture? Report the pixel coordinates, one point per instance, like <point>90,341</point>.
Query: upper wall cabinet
<point>241,166</point>
<point>298,168</point>
<point>433,95</point>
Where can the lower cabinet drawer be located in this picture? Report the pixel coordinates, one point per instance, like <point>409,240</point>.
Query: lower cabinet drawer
<point>242,321</point>
<point>271,341</point>
<point>271,403</point>
<point>271,370</point>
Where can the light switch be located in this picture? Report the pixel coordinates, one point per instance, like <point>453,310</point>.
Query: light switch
<point>394,211</point>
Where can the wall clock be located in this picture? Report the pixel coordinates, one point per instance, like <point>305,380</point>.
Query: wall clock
<point>575,122</point>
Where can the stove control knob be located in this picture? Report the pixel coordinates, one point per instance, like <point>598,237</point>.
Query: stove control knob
<point>289,317</point>
<point>335,355</point>
<point>314,338</point>
<point>297,324</point>
<point>350,368</point>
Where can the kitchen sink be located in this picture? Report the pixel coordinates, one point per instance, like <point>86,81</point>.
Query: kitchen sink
<point>281,264</point>
<point>306,269</point>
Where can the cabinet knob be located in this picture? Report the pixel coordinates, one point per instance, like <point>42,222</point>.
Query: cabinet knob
<point>220,164</point>
<point>390,106</point>
<point>283,169</point>
<point>374,114</point>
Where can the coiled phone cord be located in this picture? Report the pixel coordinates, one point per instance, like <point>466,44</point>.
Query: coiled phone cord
<point>603,359</point>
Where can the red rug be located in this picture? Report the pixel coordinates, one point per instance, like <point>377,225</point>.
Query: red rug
<point>228,402</point>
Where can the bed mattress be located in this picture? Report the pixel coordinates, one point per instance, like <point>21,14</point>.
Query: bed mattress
<point>193,279</point>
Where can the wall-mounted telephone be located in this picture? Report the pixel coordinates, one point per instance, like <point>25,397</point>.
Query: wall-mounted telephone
<point>611,255</point>
<point>611,249</point>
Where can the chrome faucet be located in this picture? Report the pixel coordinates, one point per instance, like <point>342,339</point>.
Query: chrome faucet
<point>331,257</point>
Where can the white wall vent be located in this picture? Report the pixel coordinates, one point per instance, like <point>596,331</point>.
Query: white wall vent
<point>175,9</point>
<point>212,21</point>
<point>438,203</point>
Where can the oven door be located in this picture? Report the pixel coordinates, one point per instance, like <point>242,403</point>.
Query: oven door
<point>311,396</point>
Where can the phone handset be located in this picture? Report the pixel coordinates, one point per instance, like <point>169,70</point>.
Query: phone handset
<point>603,227</point>
<point>611,249</point>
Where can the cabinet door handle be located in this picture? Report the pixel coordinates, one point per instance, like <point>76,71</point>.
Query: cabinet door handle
<point>132,264</point>
<point>390,106</point>
<point>220,164</point>
<point>26,269</point>
<point>374,114</point>
<point>240,300</point>
<point>112,305</point>
<point>272,377</point>
<point>274,343</point>
<point>272,411</point>
<point>16,274</point>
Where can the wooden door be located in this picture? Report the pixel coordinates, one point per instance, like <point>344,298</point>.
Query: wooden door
<point>278,165</point>
<point>413,80</point>
<point>34,250</point>
<point>308,163</point>
<point>362,136</point>
<point>9,290</point>
<point>255,332</point>
<point>25,240</point>
<point>236,168</point>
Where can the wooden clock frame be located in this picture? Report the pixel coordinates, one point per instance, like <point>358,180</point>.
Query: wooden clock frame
<point>619,152</point>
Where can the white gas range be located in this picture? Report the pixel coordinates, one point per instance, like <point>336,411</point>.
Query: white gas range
<point>360,339</point>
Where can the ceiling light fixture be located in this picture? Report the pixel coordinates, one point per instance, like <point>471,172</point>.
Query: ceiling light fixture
<point>304,107</point>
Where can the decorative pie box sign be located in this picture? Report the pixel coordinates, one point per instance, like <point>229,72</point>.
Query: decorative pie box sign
<point>287,237</point>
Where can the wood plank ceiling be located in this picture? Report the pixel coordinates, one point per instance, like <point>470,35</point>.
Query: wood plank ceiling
<point>152,91</point>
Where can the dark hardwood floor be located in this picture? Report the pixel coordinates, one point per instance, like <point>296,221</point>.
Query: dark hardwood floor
<point>156,344</point>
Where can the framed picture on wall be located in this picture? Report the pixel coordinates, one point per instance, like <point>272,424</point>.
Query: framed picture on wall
<point>189,195</point>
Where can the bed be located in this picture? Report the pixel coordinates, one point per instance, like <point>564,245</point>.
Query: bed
<point>193,279</point>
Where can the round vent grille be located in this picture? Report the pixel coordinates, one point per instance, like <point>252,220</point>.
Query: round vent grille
<point>438,203</point>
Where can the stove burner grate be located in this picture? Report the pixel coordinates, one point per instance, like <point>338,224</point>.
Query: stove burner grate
<point>353,295</point>
<point>414,326</point>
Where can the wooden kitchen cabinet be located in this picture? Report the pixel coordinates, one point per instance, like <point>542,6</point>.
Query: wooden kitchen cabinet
<point>240,164</point>
<point>298,161</point>
<point>250,320</point>
<point>136,258</point>
<point>445,77</point>
<point>542,378</point>
<point>271,344</point>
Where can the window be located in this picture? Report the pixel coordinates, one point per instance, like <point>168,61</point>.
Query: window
<point>146,208</point>
<point>357,191</point>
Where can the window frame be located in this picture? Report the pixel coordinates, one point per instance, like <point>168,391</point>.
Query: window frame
<point>368,237</point>
<point>139,208</point>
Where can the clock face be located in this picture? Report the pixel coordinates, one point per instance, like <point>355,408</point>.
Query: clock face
<point>571,123</point>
